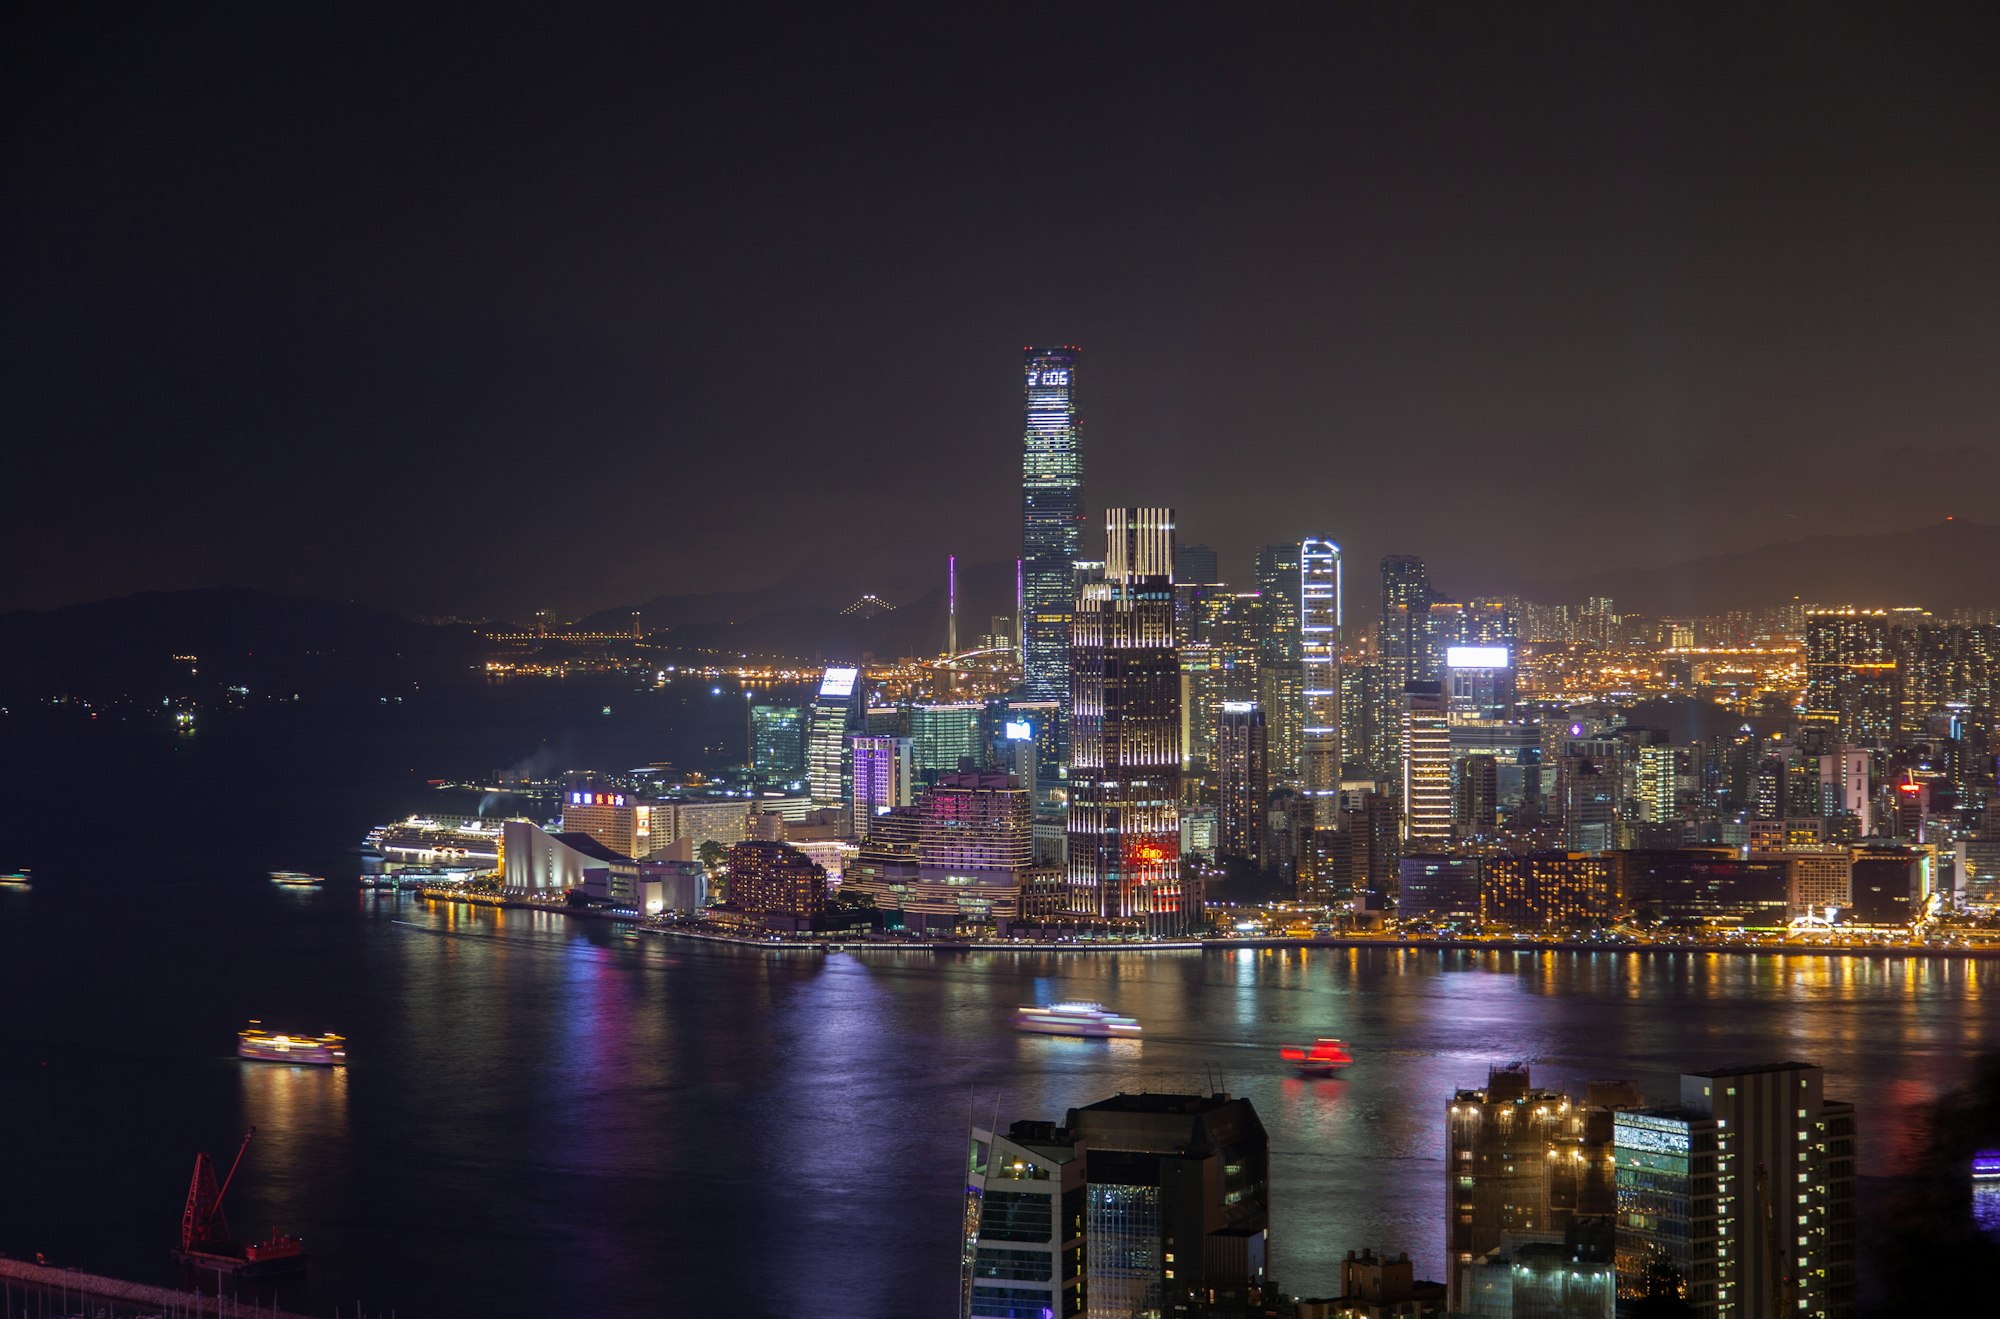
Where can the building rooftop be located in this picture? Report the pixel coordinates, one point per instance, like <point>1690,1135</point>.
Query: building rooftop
<point>1753,1069</point>
<point>590,847</point>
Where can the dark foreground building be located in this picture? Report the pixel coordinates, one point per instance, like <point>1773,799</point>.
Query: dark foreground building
<point>1138,1204</point>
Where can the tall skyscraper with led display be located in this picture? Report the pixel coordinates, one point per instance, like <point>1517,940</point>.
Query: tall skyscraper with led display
<point>1051,524</point>
<point>1125,761</point>
<point>1319,652</point>
<point>837,712</point>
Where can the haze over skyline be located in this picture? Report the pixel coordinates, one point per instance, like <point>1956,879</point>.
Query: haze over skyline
<point>574,311</point>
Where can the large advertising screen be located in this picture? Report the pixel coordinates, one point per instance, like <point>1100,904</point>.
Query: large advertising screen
<point>1476,657</point>
<point>838,682</point>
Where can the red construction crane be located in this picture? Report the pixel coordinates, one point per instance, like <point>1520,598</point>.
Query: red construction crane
<point>202,1225</point>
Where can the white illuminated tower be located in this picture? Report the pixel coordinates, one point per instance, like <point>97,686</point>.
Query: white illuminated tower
<point>1125,762</point>
<point>1051,525</point>
<point>1319,653</point>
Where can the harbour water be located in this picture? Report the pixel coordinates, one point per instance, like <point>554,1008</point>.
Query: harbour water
<point>550,1115</point>
<point>646,1122</point>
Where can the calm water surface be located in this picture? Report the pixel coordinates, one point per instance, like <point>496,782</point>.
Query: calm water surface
<point>544,1116</point>
<point>545,1113</point>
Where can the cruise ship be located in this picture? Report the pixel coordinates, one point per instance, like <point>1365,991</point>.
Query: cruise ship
<point>260,1045</point>
<point>1086,1019</point>
<point>295,879</point>
<point>439,840</point>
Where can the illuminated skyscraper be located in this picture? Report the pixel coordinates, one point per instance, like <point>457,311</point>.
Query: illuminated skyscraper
<point>777,742</point>
<point>1426,764</point>
<point>1280,671</point>
<point>1319,651</point>
<point>1405,634</point>
<point>837,711</point>
<point>1851,673</point>
<point>882,776</point>
<point>1243,780</point>
<point>1125,764</point>
<point>1051,523</point>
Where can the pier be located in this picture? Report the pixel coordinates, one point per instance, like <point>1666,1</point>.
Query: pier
<point>40,1291</point>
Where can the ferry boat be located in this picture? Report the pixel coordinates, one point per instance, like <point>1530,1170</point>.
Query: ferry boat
<point>295,879</point>
<point>260,1045</point>
<point>23,877</point>
<point>1086,1019</point>
<point>1320,1058</point>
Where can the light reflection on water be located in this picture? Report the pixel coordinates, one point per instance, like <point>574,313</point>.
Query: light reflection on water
<point>540,1110</point>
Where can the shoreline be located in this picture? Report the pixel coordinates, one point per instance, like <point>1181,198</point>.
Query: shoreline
<point>843,944</point>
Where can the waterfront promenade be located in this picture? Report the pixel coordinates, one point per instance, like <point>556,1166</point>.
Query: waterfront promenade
<point>845,942</point>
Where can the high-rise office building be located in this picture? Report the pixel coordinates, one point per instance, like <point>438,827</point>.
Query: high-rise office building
<point>1051,524</point>
<point>1125,771</point>
<point>1426,764</point>
<point>1279,581</point>
<point>1745,1189</point>
<point>1139,1204</point>
<point>1242,780</point>
<point>777,742</point>
<point>944,737</point>
<point>837,712</point>
<point>1319,652</point>
<point>1196,564</point>
<point>1851,674</point>
<point>1405,628</point>
<point>882,776</point>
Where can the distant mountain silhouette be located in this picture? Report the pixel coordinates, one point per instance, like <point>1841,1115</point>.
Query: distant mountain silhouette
<point>804,618</point>
<point>126,646</point>
<point>1944,566</point>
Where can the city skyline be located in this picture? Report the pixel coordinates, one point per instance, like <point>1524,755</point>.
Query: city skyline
<point>1577,262</point>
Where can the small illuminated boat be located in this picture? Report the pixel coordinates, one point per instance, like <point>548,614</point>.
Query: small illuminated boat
<point>260,1045</point>
<point>295,879</point>
<point>1086,1019</point>
<point>1320,1058</point>
<point>23,876</point>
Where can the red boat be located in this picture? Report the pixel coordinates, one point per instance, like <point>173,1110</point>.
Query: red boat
<point>1321,1058</point>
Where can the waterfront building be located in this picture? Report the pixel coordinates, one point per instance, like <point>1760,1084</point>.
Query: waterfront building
<point>1051,525</point>
<point>1818,879</point>
<point>1242,780</point>
<point>1524,1161</point>
<point>778,743</point>
<point>692,821</point>
<point>836,714</point>
<point>1426,765</point>
<point>963,858</point>
<point>882,776</point>
<point>1438,888</point>
<point>1125,775</point>
<point>775,879</point>
<point>536,863</point>
<point>620,820</point>
<point>1851,675</point>
<point>1548,890</point>
<point>1888,886</point>
<point>1978,866</point>
<point>1745,1189</point>
<point>1319,649</point>
<point>1713,885</point>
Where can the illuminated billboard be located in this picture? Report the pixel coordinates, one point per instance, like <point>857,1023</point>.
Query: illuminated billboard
<point>838,682</point>
<point>1019,731</point>
<point>1476,657</point>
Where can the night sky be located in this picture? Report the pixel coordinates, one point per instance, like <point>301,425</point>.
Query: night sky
<point>554,306</point>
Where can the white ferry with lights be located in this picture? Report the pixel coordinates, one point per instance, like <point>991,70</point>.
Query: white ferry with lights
<point>295,879</point>
<point>260,1045</point>
<point>1086,1019</point>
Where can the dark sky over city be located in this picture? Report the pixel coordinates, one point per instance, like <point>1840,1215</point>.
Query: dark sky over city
<point>500,308</point>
